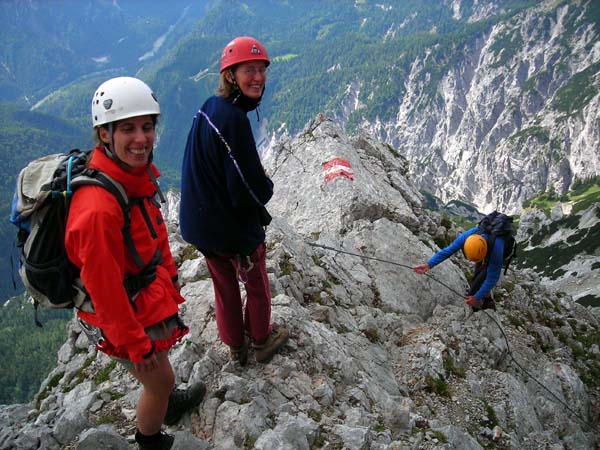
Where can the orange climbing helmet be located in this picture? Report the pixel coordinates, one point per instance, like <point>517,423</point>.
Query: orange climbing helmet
<point>475,248</point>
<point>242,49</point>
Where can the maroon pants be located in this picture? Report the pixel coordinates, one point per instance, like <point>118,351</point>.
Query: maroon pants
<point>232,319</point>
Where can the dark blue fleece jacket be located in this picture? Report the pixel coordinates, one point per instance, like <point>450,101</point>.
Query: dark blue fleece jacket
<point>217,213</point>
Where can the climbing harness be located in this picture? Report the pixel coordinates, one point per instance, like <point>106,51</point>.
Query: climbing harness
<point>241,270</point>
<point>508,350</point>
<point>94,334</point>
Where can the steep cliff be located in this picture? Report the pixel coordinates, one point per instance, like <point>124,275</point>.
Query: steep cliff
<point>494,120</point>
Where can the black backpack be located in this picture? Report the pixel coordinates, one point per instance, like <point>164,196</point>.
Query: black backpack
<point>39,210</point>
<point>497,224</point>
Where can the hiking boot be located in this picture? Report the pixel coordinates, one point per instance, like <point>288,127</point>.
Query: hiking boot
<point>158,441</point>
<point>181,401</point>
<point>488,303</point>
<point>264,351</point>
<point>239,354</point>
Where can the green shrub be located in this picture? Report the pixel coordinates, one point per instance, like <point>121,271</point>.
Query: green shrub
<point>104,373</point>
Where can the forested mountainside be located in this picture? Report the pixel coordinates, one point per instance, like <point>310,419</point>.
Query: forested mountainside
<point>28,352</point>
<point>56,53</point>
<point>490,101</point>
<point>46,45</point>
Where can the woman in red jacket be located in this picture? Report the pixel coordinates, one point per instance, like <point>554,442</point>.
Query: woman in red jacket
<point>133,289</point>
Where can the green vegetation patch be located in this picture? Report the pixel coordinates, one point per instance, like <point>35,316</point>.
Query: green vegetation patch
<point>506,46</point>
<point>438,434</point>
<point>450,368</point>
<point>438,385</point>
<point>585,203</point>
<point>491,419</point>
<point>189,253</point>
<point>51,385</point>
<point>81,374</point>
<point>286,265</point>
<point>104,373</point>
<point>284,58</point>
<point>549,259</point>
<point>541,134</point>
<point>107,419</point>
<point>578,92</point>
<point>589,300</point>
<point>583,194</point>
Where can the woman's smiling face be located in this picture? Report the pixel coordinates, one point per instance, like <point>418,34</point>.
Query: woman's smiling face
<point>133,139</point>
<point>251,77</point>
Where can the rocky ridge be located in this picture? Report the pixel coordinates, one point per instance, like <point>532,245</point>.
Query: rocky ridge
<point>379,357</point>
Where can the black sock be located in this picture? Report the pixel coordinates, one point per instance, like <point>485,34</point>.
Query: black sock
<point>145,439</point>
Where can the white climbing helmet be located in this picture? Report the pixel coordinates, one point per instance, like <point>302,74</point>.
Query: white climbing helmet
<point>120,98</point>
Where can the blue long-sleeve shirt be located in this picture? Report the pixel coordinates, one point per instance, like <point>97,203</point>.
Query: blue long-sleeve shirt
<point>494,268</point>
<point>217,212</point>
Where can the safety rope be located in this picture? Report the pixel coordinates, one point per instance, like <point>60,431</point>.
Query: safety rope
<point>509,352</point>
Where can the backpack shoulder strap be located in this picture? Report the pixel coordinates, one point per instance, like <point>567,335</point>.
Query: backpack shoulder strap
<point>97,178</point>
<point>491,242</point>
<point>511,243</point>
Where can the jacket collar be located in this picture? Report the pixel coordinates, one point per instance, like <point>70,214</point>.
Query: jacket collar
<point>244,102</point>
<point>137,183</point>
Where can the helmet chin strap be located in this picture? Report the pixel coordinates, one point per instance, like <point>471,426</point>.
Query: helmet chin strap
<point>235,85</point>
<point>108,149</point>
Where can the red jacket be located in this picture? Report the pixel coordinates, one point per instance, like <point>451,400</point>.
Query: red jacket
<point>94,243</point>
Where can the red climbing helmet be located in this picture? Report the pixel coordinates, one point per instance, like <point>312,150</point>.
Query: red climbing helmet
<point>243,49</point>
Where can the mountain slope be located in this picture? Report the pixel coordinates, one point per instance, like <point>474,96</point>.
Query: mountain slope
<point>509,111</point>
<point>562,244</point>
<point>490,101</point>
<point>71,39</point>
<point>379,357</point>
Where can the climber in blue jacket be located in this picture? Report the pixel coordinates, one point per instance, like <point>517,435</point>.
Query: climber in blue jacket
<point>487,270</point>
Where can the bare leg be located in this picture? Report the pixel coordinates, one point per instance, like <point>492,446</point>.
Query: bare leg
<point>157,386</point>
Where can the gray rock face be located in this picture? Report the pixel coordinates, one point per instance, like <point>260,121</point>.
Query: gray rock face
<point>563,248</point>
<point>379,357</point>
<point>501,122</point>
